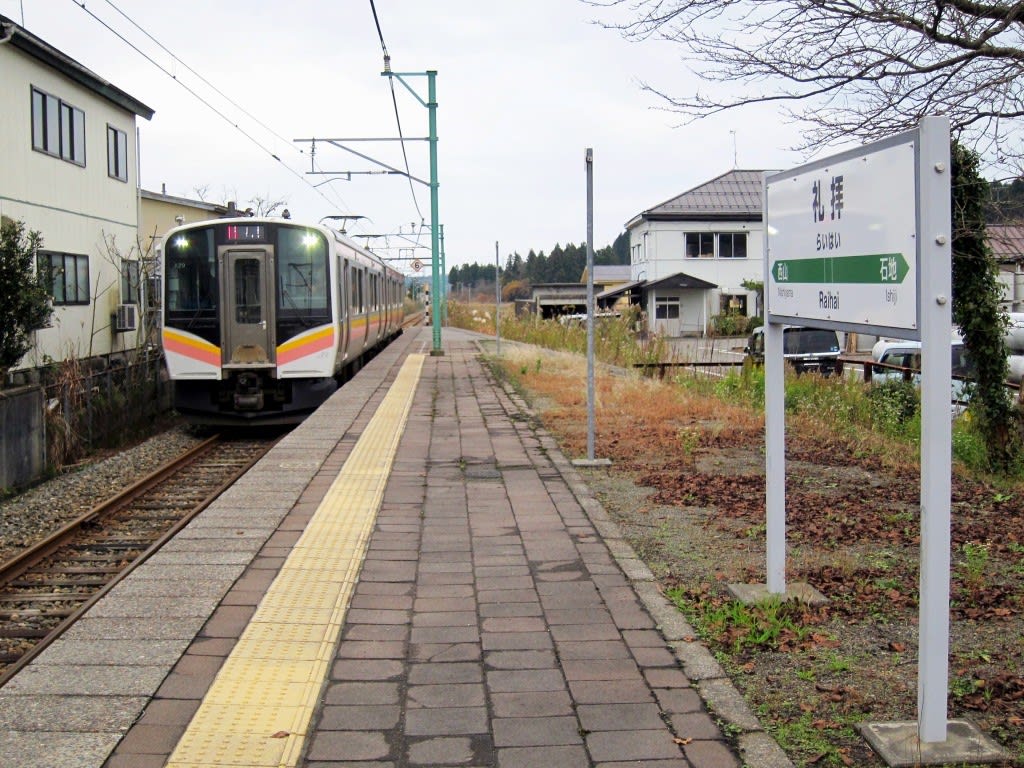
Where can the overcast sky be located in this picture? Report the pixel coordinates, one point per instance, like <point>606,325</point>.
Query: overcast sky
<point>523,88</point>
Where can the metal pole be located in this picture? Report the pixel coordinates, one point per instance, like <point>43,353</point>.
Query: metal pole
<point>590,304</point>
<point>497,300</point>
<point>435,247</point>
<point>775,457</point>
<point>444,281</point>
<point>774,438</point>
<point>935,302</point>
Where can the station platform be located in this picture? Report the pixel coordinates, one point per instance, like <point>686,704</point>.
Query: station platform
<point>415,576</point>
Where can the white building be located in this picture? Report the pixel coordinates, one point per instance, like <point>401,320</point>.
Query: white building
<point>689,256</point>
<point>70,171</point>
<point>1007,243</point>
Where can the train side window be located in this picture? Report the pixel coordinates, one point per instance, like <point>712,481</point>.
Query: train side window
<point>341,289</point>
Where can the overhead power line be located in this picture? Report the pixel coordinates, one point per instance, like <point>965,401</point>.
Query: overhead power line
<point>192,92</point>
<point>394,101</point>
<point>213,87</point>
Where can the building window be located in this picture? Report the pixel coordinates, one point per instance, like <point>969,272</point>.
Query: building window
<point>129,282</point>
<point>68,276</point>
<point>666,308</point>
<point>58,129</point>
<point>732,245</point>
<point>117,153</point>
<point>700,245</point>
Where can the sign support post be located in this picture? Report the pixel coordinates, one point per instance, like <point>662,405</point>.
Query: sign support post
<point>861,242</point>
<point>775,458</point>
<point>936,436</point>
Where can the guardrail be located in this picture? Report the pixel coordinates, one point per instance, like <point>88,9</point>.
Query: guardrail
<point>649,369</point>
<point>868,367</point>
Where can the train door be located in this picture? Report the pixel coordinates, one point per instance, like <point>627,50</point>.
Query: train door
<point>344,308</point>
<point>248,315</point>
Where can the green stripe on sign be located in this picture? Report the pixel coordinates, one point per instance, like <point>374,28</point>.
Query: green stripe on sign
<point>879,269</point>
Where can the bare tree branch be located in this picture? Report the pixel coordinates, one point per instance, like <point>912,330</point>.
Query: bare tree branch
<point>848,69</point>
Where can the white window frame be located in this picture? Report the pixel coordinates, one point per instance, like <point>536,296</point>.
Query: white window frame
<point>664,306</point>
<point>700,240</point>
<point>117,153</point>
<point>58,128</point>
<point>732,247</point>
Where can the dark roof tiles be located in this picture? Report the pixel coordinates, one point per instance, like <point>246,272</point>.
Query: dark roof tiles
<point>737,192</point>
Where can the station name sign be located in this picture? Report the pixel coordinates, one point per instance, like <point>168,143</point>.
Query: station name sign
<point>840,239</point>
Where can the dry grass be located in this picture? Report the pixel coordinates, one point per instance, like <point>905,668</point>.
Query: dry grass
<point>687,488</point>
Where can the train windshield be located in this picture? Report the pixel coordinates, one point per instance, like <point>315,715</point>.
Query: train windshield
<point>191,272</point>
<point>302,273</point>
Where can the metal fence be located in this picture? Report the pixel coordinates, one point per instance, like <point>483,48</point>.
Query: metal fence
<point>86,411</point>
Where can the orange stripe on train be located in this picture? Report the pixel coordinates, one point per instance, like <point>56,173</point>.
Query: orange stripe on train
<point>315,341</point>
<point>191,347</point>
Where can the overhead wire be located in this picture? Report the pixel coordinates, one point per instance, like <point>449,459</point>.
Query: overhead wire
<point>211,107</point>
<point>394,101</point>
<point>213,87</point>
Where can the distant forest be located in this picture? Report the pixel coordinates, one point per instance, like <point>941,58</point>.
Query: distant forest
<point>1006,202</point>
<point>561,265</point>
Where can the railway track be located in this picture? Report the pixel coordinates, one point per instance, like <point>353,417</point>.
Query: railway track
<point>46,588</point>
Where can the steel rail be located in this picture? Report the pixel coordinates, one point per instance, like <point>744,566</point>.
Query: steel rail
<point>20,564</point>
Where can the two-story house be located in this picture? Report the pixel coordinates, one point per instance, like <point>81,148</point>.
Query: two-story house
<point>691,255</point>
<point>69,170</point>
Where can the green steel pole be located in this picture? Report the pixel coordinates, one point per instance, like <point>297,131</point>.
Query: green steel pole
<point>444,281</point>
<point>435,248</point>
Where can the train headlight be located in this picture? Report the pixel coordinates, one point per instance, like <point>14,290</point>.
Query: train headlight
<point>181,242</point>
<point>309,239</point>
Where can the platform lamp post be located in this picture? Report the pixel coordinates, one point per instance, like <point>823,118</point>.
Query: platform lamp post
<point>436,290</point>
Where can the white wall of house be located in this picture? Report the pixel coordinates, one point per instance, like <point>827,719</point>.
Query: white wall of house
<point>657,250</point>
<point>1012,278</point>
<point>75,204</point>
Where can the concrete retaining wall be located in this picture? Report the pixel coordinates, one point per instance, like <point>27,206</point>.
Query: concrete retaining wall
<point>22,436</point>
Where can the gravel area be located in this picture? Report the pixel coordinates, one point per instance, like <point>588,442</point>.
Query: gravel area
<point>42,509</point>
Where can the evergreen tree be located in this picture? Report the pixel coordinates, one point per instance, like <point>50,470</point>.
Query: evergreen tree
<point>976,294</point>
<point>23,294</point>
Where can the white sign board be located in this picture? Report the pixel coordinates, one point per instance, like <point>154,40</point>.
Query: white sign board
<point>841,245</point>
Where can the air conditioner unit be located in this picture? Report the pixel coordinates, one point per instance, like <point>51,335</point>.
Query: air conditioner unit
<point>127,318</point>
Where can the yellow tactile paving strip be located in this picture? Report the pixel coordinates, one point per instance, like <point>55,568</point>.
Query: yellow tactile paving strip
<point>257,711</point>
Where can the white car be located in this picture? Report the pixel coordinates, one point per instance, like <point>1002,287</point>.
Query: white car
<point>905,357</point>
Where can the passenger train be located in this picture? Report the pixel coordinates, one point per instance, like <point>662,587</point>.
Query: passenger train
<point>263,318</point>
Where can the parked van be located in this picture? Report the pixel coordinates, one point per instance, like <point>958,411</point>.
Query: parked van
<point>806,349</point>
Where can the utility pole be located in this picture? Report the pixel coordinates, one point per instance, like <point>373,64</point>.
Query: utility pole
<point>437,287</point>
<point>497,300</point>
<point>590,461</point>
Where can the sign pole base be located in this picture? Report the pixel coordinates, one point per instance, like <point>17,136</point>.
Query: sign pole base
<point>898,744</point>
<point>751,594</point>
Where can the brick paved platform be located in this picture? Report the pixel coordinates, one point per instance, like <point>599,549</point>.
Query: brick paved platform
<point>500,620</point>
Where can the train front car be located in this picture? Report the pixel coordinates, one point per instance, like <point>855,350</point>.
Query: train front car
<point>250,327</point>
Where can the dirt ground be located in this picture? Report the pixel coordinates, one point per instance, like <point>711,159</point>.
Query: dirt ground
<point>687,488</point>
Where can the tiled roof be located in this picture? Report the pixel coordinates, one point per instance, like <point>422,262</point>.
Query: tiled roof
<point>1006,241</point>
<point>610,273</point>
<point>736,193</point>
<point>22,39</point>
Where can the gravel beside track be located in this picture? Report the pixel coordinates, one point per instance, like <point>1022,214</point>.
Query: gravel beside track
<point>44,508</point>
